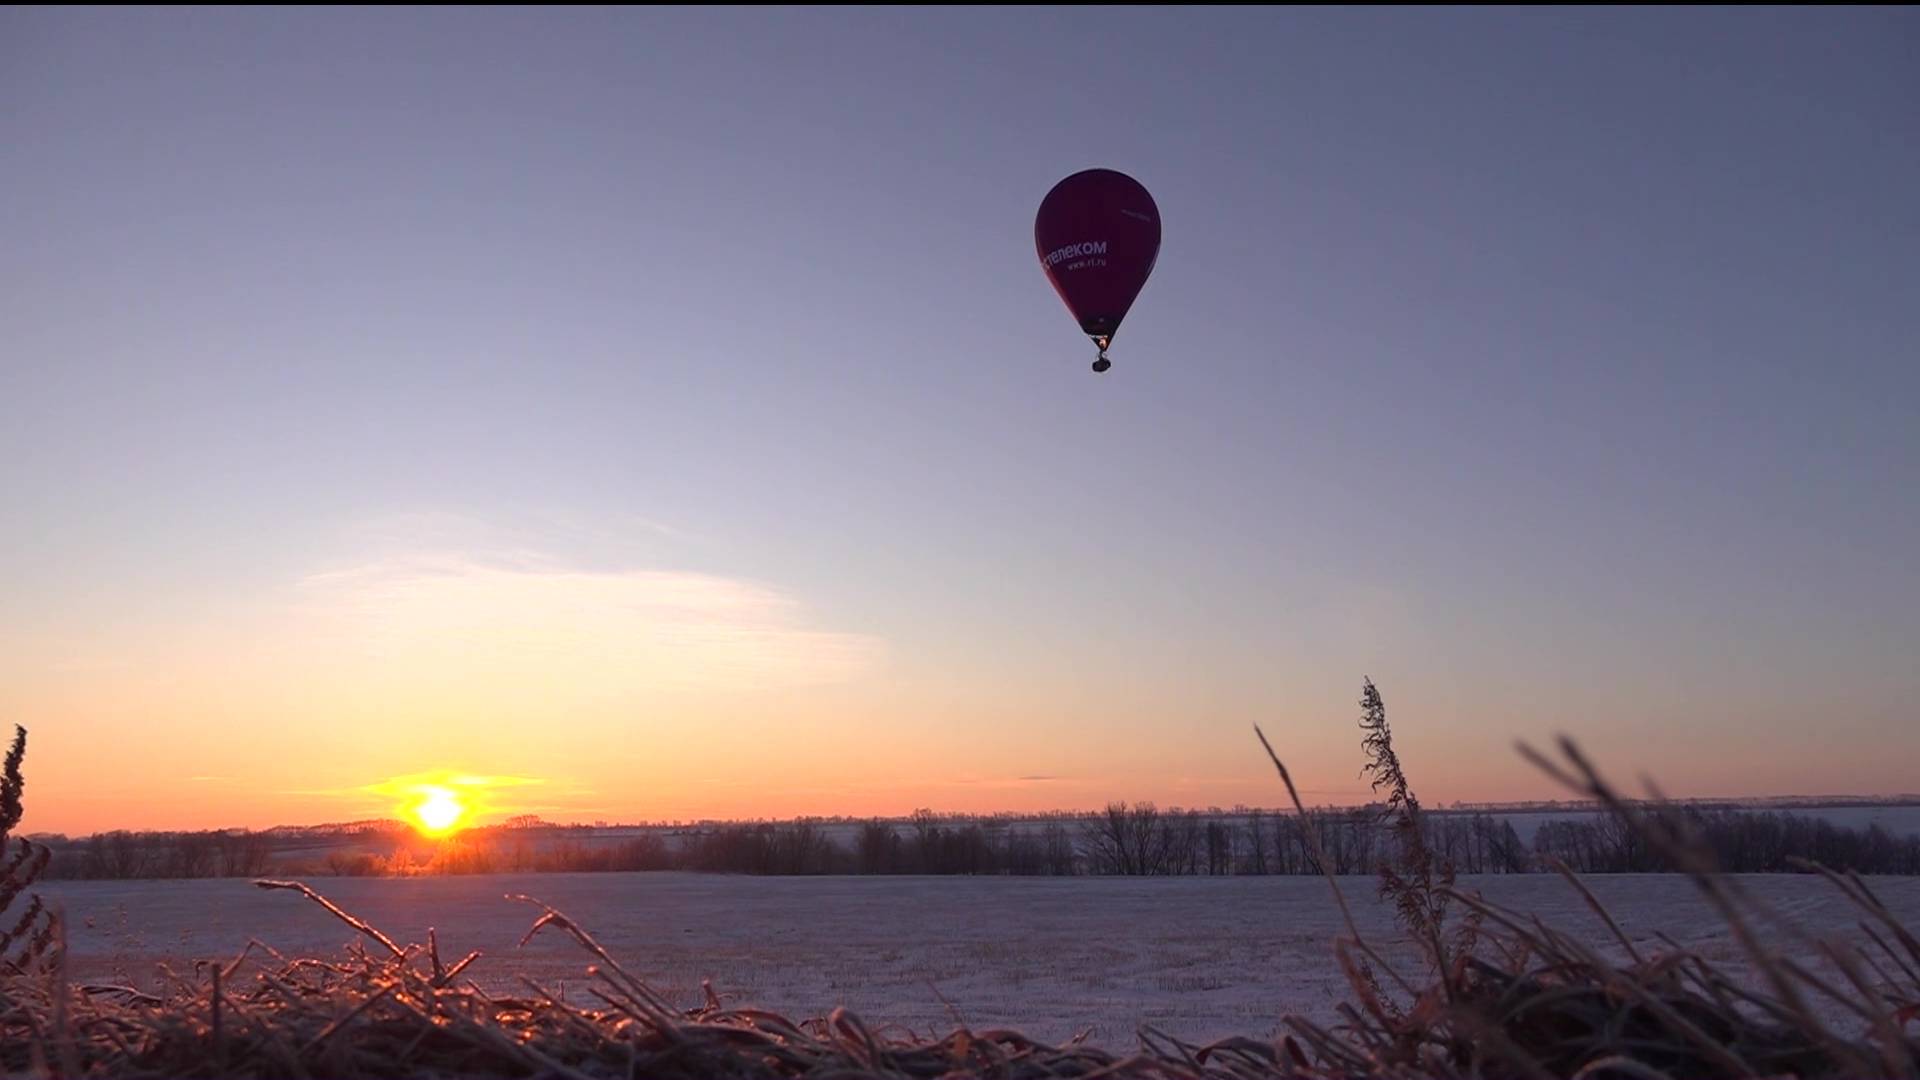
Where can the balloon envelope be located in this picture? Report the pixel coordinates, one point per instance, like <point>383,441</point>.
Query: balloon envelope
<point>1098,235</point>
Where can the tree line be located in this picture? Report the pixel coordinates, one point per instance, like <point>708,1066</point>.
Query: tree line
<point>1742,842</point>
<point>124,855</point>
<point>1137,839</point>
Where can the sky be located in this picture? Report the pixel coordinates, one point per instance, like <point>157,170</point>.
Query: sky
<point>664,412</point>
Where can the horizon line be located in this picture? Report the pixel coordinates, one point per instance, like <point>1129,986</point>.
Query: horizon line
<point>1457,806</point>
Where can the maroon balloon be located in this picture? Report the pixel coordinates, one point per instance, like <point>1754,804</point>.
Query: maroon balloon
<point>1098,235</point>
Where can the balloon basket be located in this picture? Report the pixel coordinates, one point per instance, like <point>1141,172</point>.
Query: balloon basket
<point>1102,342</point>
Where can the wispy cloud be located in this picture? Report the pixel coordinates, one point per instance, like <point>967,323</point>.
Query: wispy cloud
<point>1006,782</point>
<point>519,609</point>
<point>413,782</point>
<point>484,796</point>
<point>582,539</point>
<point>89,665</point>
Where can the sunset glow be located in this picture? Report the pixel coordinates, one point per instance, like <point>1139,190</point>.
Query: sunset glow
<point>442,802</point>
<point>438,813</point>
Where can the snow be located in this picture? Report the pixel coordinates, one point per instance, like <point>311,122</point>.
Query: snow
<point>1199,958</point>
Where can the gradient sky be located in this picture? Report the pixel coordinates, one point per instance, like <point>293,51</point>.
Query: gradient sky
<point>666,410</point>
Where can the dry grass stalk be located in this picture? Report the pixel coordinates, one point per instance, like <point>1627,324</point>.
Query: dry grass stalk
<point>32,938</point>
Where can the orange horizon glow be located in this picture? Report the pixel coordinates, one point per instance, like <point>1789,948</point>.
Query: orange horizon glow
<point>631,696</point>
<point>443,802</point>
<point>438,813</point>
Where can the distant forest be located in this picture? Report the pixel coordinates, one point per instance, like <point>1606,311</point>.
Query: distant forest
<point>1134,840</point>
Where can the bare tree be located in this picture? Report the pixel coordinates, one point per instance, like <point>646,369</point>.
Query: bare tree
<point>1061,857</point>
<point>1219,848</point>
<point>879,848</point>
<point>1256,843</point>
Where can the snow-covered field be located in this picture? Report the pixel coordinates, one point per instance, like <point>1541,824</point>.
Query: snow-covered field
<point>1198,958</point>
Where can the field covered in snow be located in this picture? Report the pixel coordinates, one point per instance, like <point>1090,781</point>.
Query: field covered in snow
<point>1199,958</point>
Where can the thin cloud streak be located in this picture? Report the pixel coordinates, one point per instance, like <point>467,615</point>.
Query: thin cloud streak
<point>506,611</point>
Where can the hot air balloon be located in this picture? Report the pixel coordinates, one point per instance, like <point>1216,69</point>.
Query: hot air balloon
<point>1098,235</point>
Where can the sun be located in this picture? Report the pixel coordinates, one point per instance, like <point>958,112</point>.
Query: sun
<point>438,812</point>
<point>442,802</point>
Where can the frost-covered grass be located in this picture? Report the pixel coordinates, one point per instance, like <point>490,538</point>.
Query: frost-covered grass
<point>1199,958</point>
